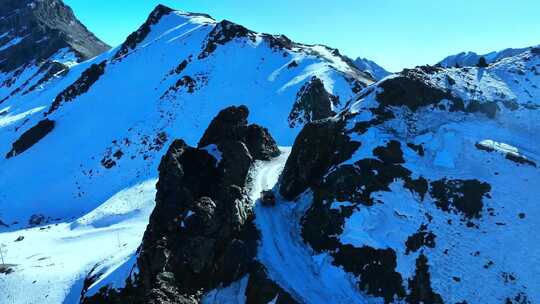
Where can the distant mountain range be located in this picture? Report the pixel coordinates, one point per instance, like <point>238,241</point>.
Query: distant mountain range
<point>465,59</point>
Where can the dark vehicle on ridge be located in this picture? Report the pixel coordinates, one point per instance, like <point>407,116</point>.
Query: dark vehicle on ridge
<point>268,198</point>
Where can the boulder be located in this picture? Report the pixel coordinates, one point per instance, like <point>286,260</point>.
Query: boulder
<point>312,103</point>
<point>260,143</point>
<point>231,125</point>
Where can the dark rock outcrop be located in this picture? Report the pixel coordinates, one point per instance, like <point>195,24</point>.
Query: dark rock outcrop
<point>261,289</point>
<point>201,234</point>
<point>376,269</point>
<point>420,285</point>
<point>80,86</point>
<point>391,153</point>
<point>315,163</point>
<point>520,159</point>
<point>140,34</point>
<point>312,103</point>
<point>512,156</point>
<point>278,42</point>
<point>6,269</point>
<point>465,196</point>
<point>31,137</point>
<point>49,70</point>
<point>39,29</point>
<point>410,89</point>
<point>231,125</point>
<point>224,32</point>
<point>319,146</point>
<point>488,108</point>
<point>420,239</point>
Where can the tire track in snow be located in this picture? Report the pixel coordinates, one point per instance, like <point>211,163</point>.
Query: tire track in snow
<point>290,262</point>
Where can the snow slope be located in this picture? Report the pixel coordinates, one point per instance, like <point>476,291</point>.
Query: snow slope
<point>488,257</point>
<point>290,262</point>
<point>113,116</point>
<point>52,262</point>
<point>135,111</point>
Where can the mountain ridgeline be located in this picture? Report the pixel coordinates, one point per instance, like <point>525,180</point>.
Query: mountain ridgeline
<point>143,173</point>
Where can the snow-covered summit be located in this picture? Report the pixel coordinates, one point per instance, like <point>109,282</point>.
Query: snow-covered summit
<point>75,138</point>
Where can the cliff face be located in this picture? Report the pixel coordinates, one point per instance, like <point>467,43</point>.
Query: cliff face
<point>33,31</point>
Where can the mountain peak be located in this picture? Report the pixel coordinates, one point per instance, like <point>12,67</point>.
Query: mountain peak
<point>375,70</point>
<point>33,31</point>
<point>161,10</point>
<point>144,30</point>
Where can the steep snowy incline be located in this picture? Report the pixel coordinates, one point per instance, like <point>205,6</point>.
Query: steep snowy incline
<point>427,191</point>
<point>50,263</point>
<point>92,134</point>
<point>107,120</point>
<point>290,262</point>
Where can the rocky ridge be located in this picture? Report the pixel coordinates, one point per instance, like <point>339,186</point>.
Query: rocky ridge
<point>201,234</point>
<point>398,172</point>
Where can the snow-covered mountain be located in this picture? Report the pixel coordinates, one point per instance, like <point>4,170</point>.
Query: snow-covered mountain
<point>78,144</point>
<point>428,189</point>
<point>470,59</point>
<point>414,193</point>
<point>135,176</point>
<point>39,40</point>
<point>371,67</point>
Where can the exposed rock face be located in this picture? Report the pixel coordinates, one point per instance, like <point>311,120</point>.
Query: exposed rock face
<point>416,177</point>
<point>198,231</point>
<point>6,269</point>
<point>415,88</point>
<point>375,267</point>
<point>231,125</point>
<point>201,233</point>
<point>31,137</point>
<point>38,29</point>
<point>80,86</point>
<point>224,32</point>
<point>319,146</point>
<point>355,184</point>
<point>313,102</point>
<point>464,195</point>
<point>410,89</point>
<point>261,289</point>
<point>420,284</point>
<point>278,42</point>
<point>138,36</point>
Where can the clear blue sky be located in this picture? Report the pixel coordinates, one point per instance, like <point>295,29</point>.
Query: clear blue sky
<point>394,33</point>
